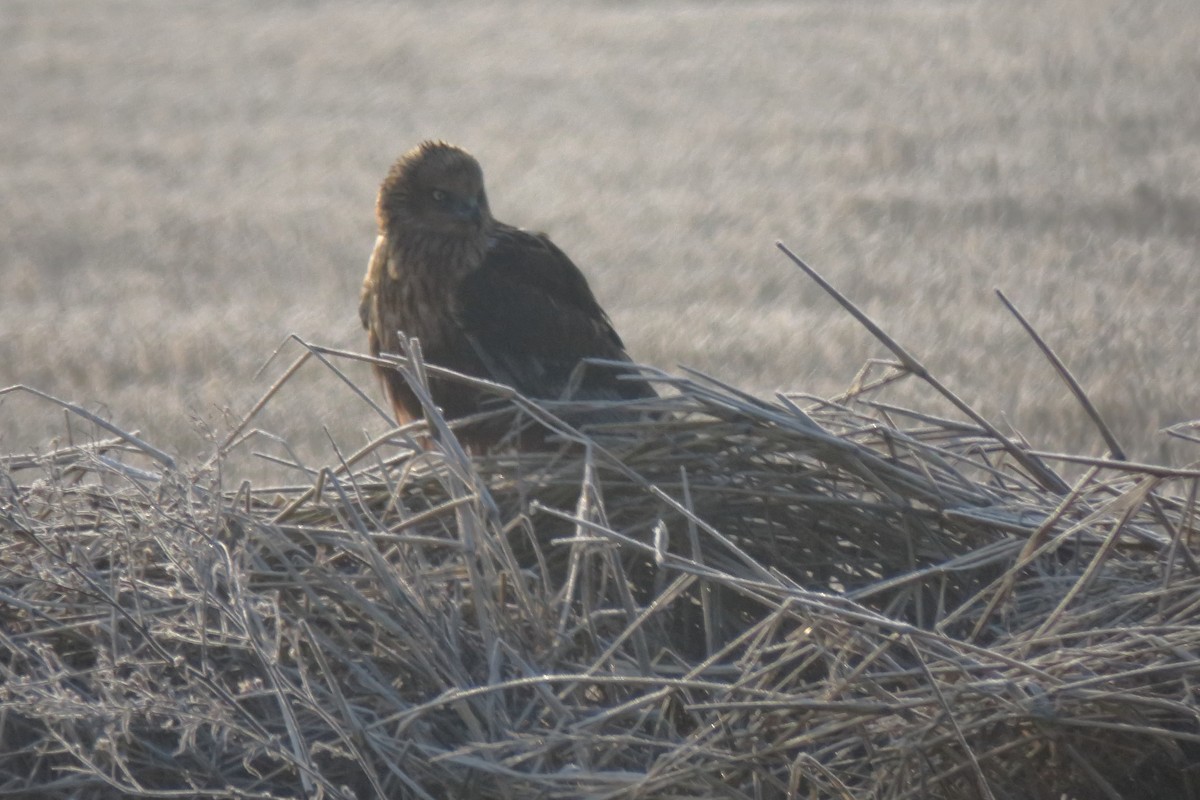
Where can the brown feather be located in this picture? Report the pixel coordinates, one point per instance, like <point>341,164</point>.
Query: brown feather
<point>484,298</point>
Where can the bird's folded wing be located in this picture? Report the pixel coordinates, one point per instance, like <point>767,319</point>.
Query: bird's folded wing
<point>531,318</point>
<point>375,269</point>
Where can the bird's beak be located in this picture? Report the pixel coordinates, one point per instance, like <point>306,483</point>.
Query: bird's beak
<point>469,211</point>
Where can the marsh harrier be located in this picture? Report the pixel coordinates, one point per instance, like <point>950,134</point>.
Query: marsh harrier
<point>485,299</point>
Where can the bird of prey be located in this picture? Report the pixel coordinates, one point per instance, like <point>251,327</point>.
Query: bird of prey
<point>483,298</point>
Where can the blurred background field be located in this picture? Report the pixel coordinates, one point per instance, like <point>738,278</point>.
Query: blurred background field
<point>184,184</point>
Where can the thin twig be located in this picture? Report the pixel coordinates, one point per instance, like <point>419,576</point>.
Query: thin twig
<point>1114,447</point>
<point>1045,476</point>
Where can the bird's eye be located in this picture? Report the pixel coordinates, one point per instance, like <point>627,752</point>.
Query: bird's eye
<point>439,195</point>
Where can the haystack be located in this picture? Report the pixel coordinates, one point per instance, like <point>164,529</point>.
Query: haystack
<point>717,595</point>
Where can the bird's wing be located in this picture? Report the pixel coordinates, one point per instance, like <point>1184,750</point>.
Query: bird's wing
<point>375,270</point>
<point>530,317</point>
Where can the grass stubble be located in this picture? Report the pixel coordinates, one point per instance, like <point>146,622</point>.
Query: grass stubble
<point>723,596</point>
<point>868,593</point>
<point>185,183</point>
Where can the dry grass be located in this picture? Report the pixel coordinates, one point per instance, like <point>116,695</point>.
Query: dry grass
<point>728,598</point>
<point>186,183</point>
<point>736,599</point>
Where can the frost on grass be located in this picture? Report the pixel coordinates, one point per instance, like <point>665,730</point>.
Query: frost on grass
<point>720,596</point>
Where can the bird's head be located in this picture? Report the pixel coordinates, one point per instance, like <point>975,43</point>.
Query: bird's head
<point>435,187</point>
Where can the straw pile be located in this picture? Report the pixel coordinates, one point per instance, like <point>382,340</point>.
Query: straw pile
<point>721,596</point>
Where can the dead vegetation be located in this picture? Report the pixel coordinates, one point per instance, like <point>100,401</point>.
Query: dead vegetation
<point>186,181</point>
<point>727,597</point>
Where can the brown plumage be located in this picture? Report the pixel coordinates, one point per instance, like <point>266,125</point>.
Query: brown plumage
<point>484,298</point>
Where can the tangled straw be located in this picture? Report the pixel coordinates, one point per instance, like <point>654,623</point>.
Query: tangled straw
<point>714,595</point>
